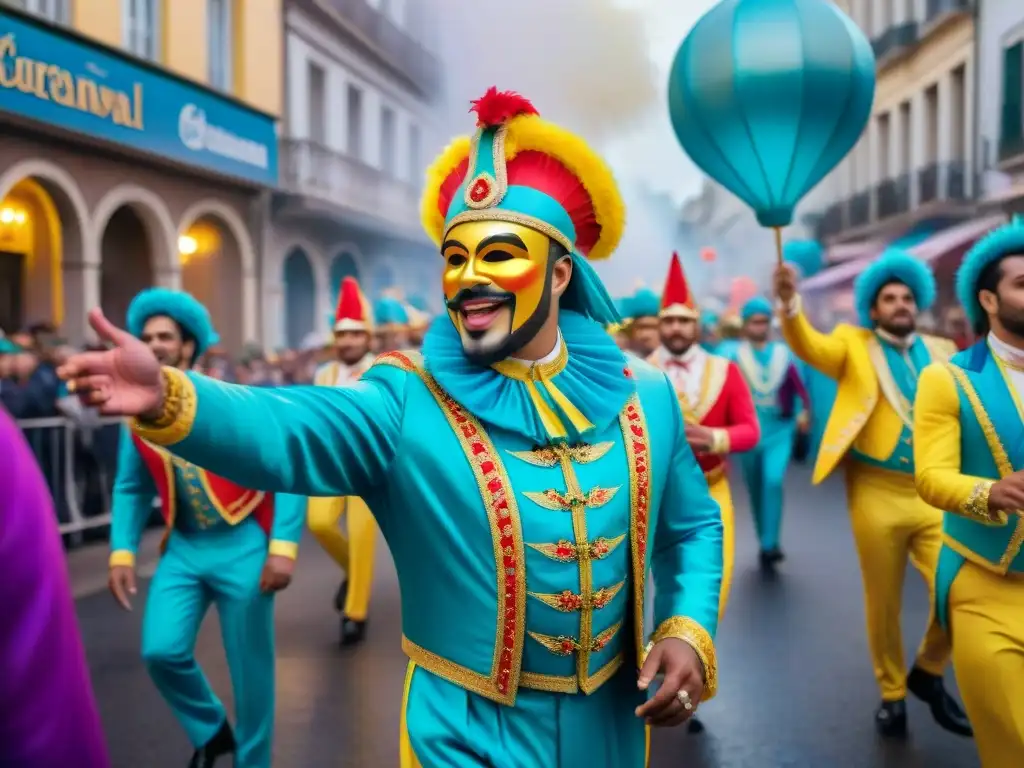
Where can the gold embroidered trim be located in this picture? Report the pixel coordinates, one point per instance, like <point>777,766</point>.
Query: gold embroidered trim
<point>566,502</point>
<point>563,645</point>
<point>499,182</point>
<point>720,443</point>
<point>998,451</point>
<point>565,551</point>
<point>638,454</point>
<point>694,635</point>
<point>716,371</point>
<point>568,601</point>
<point>499,501</point>
<point>549,456</point>
<point>763,381</point>
<point>976,508</point>
<point>178,413</point>
<point>520,371</point>
<point>570,683</point>
<point>512,217</point>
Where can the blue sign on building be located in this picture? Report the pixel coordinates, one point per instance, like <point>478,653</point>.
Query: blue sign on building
<point>55,78</point>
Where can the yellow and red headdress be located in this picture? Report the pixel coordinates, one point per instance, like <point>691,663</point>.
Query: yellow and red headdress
<point>677,298</point>
<point>522,169</point>
<point>353,311</point>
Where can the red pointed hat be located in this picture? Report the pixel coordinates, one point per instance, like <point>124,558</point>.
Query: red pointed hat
<point>353,313</point>
<point>676,298</point>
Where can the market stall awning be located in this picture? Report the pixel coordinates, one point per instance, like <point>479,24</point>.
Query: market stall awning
<point>930,250</point>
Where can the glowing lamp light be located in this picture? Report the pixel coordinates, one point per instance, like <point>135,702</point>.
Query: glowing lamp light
<point>187,245</point>
<point>12,216</point>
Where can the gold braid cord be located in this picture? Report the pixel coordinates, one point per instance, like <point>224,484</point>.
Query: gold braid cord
<point>694,635</point>
<point>177,415</point>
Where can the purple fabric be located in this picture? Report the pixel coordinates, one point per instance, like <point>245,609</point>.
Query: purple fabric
<point>792,389</point>
<point>48,716</point>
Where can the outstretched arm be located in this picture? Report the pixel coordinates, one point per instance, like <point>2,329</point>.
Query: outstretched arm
<point>289,520</point>
<point>309,441</point>
<point>743,430</point>
<point>132,504</point>
<point>825,352</point>
<point>686,561</point>
<point>937,458</point>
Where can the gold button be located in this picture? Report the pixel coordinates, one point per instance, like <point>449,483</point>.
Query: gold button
<point>904,460</point>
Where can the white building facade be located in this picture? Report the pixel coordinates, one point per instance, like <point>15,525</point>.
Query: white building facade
<point>359,129</point>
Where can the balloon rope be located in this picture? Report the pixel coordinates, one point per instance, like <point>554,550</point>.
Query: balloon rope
<point>778,243</point>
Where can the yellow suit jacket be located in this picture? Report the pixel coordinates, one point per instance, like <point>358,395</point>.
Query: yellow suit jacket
<point>865,415</point>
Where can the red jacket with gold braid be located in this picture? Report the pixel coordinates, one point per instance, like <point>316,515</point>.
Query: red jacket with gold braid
<point>231,501</point>
<point>725,406</point>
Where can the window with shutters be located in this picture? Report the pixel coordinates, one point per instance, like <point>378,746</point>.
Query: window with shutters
<point>141,27</point>
<point>1012,128</point>
<point>219,44</point>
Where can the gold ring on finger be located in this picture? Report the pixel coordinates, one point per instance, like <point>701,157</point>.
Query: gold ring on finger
<point>684,699</point>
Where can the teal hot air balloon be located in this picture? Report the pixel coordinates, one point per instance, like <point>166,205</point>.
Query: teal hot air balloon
<point>806,255</point>
<point>768,96</point>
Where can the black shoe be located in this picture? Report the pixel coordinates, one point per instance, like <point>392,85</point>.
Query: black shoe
<point>352,632</point>
<point>340,596</point>
<point>891,719</point>
<point>693,725</point>
<point>222,743</point>
<point>932,691</point>
<point>776,555</point>
<point>767,561</point>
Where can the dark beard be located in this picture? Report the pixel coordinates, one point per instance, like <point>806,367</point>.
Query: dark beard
<point>1011,320</point>
<point>676,346</point>
<point>900,328</point>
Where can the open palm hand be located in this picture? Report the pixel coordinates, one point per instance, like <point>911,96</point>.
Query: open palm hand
<point>121,381</point>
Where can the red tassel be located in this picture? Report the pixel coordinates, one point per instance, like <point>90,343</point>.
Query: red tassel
<point>497,107</point>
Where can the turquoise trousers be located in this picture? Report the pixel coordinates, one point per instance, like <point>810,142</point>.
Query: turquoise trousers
<point>222,567</point>
<point>445,726</point>
<point>764,472</point>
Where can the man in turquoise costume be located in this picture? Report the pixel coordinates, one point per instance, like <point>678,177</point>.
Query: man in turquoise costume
<point>225,544</point>
<point>644,306</point>
<point>781,402</point>
<point>526,475</point>
<point>969,457</point>
<point>391,323</point>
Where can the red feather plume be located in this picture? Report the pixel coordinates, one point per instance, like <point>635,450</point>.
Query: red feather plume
<point>497,107</point>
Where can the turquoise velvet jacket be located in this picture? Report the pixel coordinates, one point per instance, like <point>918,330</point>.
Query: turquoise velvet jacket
<point>135,489</point>
<point>523,560</point>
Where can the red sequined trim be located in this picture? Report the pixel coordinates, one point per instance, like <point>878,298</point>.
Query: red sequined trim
<point>641,457</point>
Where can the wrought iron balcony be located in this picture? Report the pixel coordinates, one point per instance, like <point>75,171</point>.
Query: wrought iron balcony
<point>831,222</point>
<point>895,39</point>
<point>396,47</point>
<point>860,209</point>
<point>892,197</point>
<point>945,181</point>
<point>315,171</point>
<point>936,9</point>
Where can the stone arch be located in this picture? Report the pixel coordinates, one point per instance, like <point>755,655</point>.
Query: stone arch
<point>222,274</point>
<point>300,306</point>
<point>344,263</point>
<point>129,219</point>
<point>56,282</point>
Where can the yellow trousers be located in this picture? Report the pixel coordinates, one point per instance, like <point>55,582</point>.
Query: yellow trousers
<point>987,621</point>
<point>720,493</point>
<point>891,524</point>
<point>354,555</point>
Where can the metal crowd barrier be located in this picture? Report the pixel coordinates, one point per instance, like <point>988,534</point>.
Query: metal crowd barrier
<point>79,462</point>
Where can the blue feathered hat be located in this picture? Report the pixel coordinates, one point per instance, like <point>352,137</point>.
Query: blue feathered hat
<point>644,303</point>
<point>181,307</point>
<point>389,312</point>
<point>1002,241</point>
<point>806,255</point>
<point>758,305</point>
<point>894,265</point>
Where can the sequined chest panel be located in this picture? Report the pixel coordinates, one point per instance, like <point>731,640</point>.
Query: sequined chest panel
<point>569,525</point>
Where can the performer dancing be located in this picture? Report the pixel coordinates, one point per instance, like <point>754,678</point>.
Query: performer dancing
<point>224,544</point>
<point>525,474</point>
<point>770,371</point>
<point>877,370</point>
<point>969,459</point>
<point>48,716</point>
<point>353,329</point>
<point>718,411</point>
